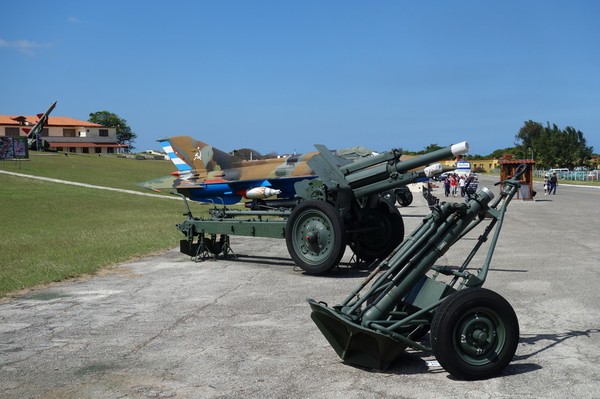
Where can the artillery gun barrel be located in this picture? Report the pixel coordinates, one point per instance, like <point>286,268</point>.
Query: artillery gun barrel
<point>391,155</point>
<point>386,170</point>
<point>386,175</point>
<point>405,272</point>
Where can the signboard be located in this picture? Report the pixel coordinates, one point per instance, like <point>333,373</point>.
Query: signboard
<point>463,168</point>
<point>13,148</point>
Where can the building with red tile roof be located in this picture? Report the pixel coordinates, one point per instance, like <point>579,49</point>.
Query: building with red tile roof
<point>66,134</point>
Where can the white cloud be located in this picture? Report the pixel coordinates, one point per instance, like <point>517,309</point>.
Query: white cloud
<point>24,46</point>
<point>74,20</point>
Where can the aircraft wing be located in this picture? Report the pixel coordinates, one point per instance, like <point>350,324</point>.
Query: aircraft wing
<point>170,182</point>
<point>162,183</point>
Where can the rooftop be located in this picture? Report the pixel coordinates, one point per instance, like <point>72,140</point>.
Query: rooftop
<point>14,120</point>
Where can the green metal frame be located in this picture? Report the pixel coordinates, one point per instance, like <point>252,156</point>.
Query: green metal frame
<point>346,184</point>
<point>379,318</point>
<point>226,222</point>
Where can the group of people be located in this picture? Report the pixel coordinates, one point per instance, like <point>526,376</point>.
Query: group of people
<point>550,183</point>
<point>463,185</point>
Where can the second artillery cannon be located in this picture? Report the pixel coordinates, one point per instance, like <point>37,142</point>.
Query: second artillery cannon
<point>474,332</point>
<point>340,205</point>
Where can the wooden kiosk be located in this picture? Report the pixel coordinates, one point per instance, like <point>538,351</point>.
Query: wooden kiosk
<point>508,167</point>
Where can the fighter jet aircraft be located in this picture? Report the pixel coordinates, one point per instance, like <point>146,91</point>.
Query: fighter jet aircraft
<point>341,206</point>
<point>207,174</point>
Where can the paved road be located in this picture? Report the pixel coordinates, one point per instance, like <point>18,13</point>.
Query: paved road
<point>167,327</point>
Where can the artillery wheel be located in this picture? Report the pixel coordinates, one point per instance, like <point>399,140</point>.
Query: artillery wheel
<point>384,232</point>
<point>404,196</point>
<point>389,197</point>
<point>314,235</point>
<point>216,247</point>
<point>474,334</point>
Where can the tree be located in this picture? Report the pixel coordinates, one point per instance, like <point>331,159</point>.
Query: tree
<point>530,132</point>
<point>247,154</point>
<point>431,148</point>
<point>553,146</point>
<point>503,151</point>
<point>109,119</point>
<point>428,149</point>
<point>474,157</point>
<point>576,146</point>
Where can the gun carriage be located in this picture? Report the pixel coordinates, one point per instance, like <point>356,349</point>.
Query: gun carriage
<point>342,205</point>
<point>474,332</point>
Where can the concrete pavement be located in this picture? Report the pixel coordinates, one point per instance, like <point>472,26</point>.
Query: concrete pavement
<point>167,327</point>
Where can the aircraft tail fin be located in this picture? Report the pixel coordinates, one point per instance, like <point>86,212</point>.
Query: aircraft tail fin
<point>193,158</point>
<point>178,161</point>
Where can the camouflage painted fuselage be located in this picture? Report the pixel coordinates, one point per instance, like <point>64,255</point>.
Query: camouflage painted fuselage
<point>208,174</point>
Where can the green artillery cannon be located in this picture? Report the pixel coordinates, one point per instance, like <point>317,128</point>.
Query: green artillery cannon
<point>474,331</point>
<point>341,206</point>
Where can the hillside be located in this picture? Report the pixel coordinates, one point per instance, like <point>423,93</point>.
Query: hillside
<point>53,231</point>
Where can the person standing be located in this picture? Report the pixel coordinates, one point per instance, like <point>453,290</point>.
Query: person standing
<point>553,184</point>
<point>470,187</point>
<point>447,185</point>
<point>546,183</point>
<point>453,184</point>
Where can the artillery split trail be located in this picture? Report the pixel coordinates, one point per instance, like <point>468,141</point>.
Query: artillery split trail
<point>72,183</point>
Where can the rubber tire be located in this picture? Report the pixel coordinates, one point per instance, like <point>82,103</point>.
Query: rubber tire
<point>327,253</point>
<point>379,245</point>
<point>467,310</point>
<point>404,196</point>
<point>389,197</point>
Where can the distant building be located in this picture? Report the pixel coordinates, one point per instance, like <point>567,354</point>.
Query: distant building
<point>485,165</point>
<point>156,154</point>
<point>66,134</point>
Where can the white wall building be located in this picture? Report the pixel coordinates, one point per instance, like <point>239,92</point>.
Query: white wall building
<point>66,134</point>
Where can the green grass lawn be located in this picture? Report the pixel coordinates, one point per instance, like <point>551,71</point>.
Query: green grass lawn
<point>52,231</point>
<point>107,171</point>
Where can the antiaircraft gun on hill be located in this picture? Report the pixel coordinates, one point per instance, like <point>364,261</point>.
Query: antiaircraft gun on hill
<point>33,135</point>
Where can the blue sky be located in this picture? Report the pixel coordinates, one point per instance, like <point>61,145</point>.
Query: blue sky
<point>283,75</point>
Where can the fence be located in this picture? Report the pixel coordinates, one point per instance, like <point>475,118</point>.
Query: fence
<point>571,175</point>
